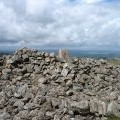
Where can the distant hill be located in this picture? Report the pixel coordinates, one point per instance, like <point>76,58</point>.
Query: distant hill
<point>105,54</point>
<point>5,53</point>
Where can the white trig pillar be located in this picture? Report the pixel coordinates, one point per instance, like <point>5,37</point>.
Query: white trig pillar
<point>63,54</point>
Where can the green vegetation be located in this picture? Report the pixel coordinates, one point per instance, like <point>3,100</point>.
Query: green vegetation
<point>113,118</point>
<point>115,61</point>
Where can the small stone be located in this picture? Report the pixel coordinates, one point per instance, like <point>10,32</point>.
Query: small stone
<point>42,80</point>
<point>34,113</point>
<point>23,114</point>
<point>58,70</point>
<point>52,54</point>
<point>26,75</point>
<point>22,90</point>
<point>102,108</point>
<point>34,89</point>
<point>94,105</point>
<point>19,78</point>
<point>69,83</point>
<point>46,54</point>
<point>18,104</point>
<point>113,95</point>
<point>17,95</point>
<point>65,65</point>
<point>104,118</point>
<point>69,93</point>
<point>50,114</point>
<point>9,61</point>
<point>35,118</point>
<point>47,59</point>
<point>37,69</point>
<point>4,116</point>
<point>28,96</point>
<point>25,57</point>
<point>113,109</point>
<point>78,88</point>
<point>40,100</point>
<point>16,118</point>
<point>31,106</point>
<point>82,107</point>
<point>64,72</point>
<point>30,68</point>
<point>3,100</point>
<point>119,99</point>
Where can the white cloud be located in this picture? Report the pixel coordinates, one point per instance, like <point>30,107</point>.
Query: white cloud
<point>82,24</point>
<point>92,1</point>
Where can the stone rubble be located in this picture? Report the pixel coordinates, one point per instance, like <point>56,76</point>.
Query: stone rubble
<point>41,86</point>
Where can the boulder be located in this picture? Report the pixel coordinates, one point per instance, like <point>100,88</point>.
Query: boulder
<point>113,108</point>
<point>81,107</point>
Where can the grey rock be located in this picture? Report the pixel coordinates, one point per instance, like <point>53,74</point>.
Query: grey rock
<point>25,57</point>
<point>104,118</point>
<point>23,114</point>
<point>47,59</point>
<point>52,54</point>
<point>42,81</point>
<point>35,112</point>
<point>37,69</point>
<point>69,83</point>
<point>119,99</point>
<point>4,116</point>
<point>17,118</point>
<point>65,65</point>
<point>21,71</point>
<point>46,54</point>
<point>31,106</point>
<point>40,100</point>
<point>30,68</point>
<point>19,104</point>
<point>9,61</point>
<point>64,72</point>
<point>19,78</point>
<point>5,76</point>
<point>50,114</point>
<point>82,107</point>
<point>21,91</point>
<point>57,117</point>
<point>69,93</point>
<point>6,71</point>
<point>114,95</point>
<point>113,108</point>
<point>58,70</point>
<point>78,88</point>
<point>94,105</point>
<point>102,108</point>
<point>3,100</point>
<point>17,95</point>
<point>35,118</point>
<point>28,96</point>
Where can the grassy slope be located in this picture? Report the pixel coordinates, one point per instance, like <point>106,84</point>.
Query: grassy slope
<point>115,61</point>
<point>113,118</point>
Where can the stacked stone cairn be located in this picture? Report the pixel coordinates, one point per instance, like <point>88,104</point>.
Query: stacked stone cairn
<point>41,86</point>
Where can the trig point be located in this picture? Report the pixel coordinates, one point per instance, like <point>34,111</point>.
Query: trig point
<point>63,54</point>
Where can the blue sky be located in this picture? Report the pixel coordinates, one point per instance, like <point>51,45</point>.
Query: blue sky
<point>81,24</point>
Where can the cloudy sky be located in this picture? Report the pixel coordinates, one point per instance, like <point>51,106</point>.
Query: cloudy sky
<point>82,24</point>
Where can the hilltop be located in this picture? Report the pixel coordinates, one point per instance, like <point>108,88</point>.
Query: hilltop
<point>41,86</point>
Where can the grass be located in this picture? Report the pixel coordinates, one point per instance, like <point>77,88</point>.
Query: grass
<point>114,61</point>
<point>112,117</point>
